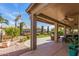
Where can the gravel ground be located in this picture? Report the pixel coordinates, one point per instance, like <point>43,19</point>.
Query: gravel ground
<point>25,45</point>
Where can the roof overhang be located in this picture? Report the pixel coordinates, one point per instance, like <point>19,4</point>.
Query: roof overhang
<point>55,11</point>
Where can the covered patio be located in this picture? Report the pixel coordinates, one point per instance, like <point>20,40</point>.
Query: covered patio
<point>59,14</point>
<point>48,49</point>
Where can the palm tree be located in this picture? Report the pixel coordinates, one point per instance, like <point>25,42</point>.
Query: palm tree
<point>16,19</point>
<point>47,29</point>
<point>2,20</point>
<point>42,29</point>
<point>21,27</point>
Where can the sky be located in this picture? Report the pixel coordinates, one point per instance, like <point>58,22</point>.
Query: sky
<point>10,10</point>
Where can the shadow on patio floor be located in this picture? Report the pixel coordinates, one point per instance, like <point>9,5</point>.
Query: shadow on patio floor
<point>48,49</point>
<point>17,53</point>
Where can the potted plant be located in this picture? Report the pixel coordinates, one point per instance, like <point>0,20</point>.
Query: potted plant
<point>72,45</point>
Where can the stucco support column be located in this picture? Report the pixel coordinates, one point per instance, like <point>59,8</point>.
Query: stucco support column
<point>64,30</point>
<point>56,33</point>
<point>78,26</point>
<point>33,32</point>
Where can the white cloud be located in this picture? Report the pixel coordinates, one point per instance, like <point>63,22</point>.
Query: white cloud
<point>5,12</point>
<point>15,13</point>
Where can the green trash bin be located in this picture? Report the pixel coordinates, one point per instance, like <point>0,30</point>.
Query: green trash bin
<point>72,50</point>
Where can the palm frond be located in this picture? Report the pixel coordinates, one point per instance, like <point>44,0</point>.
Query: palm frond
<point>2,20</point>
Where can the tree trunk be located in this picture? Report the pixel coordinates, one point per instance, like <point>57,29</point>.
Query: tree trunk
<point>21,29</point>
<point>15,23</point>
<point>42,29</point>
<point>1,34</point>
<point>48,30</point>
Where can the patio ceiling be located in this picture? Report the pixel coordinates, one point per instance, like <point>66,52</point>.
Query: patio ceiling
<point>58,12</point>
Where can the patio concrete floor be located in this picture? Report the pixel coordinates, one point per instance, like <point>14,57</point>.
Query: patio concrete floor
<point>46,47</point>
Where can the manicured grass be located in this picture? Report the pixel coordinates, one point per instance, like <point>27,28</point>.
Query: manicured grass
<point>38,36</point>
<point>42,35</point>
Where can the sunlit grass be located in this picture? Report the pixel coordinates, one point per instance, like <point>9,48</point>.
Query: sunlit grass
<point>28,37</point>
<point>42,35</point>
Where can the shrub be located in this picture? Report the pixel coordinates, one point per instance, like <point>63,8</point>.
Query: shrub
<point>61,32</point>
<point>25,38</point>
<point>12,31</point>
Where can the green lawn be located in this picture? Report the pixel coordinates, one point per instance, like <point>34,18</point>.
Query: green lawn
<point>38,36</point>
<point>42,35</point>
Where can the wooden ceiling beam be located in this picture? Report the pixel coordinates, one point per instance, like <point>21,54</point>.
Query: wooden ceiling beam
<point>51,19</point>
